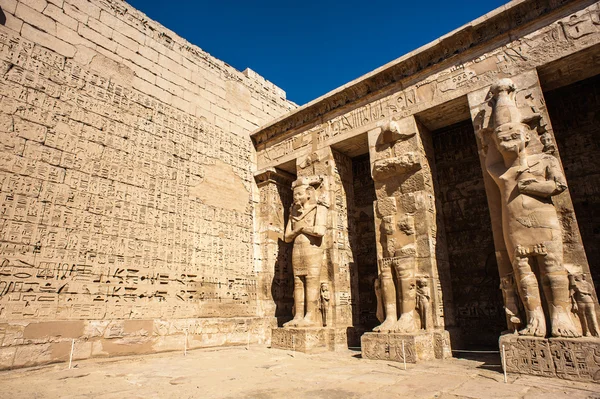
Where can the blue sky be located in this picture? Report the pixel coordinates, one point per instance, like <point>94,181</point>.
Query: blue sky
<point>311,47</point>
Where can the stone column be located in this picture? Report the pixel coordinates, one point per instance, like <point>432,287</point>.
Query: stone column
<point>337,170</point>
<point>333,173</point>
<point>274,270</point>
<point>549,295</point>
<point>413,286</point>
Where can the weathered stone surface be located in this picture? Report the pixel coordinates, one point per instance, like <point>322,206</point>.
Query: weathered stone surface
<point>126,203</point>
<point>421,346</point>
<point>575,359</point>
<point>307,339</point>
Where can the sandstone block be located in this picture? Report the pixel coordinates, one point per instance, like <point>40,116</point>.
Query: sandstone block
<point>37,5</point>
<point>86,7</point>
<point>424,345</point>
<point>13,22</point>
<point>46,40</point>
<point>567,358</point>
<point>36,18</point>
<point>306,340</point>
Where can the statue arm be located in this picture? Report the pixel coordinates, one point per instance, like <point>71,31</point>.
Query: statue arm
<point>316,231</point>
<point>290,233</point>
<point>554,184</point>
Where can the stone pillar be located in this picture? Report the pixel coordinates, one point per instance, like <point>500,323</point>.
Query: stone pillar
<point>274,269</point>
<point>339,260</point>
<point>549,295</point>
<point>413,286</point>
<point>333,170</point>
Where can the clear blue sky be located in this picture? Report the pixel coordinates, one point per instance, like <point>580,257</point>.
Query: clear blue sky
<point>311,47</point>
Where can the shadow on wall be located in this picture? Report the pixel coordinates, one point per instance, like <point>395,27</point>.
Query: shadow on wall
<point>2,17</point>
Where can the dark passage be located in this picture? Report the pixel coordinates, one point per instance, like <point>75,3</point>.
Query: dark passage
<point>474,273</point>
<point>575,114</point>
<point>365,250</point>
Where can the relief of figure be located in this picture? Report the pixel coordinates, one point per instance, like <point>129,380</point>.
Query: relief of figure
<point>423,300</point>
<point>325,298</point>
<point>583,303</point>
<point>306,228</point>
<point>531,228</point>
<point>396,283</point>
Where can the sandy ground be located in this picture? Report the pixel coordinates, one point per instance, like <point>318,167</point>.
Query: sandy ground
<point>264,373</point>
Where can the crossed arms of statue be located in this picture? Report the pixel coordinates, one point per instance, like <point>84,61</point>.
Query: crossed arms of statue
<point>554,183</point>
<point>292,232</point>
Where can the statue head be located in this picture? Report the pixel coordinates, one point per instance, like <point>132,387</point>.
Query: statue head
<point>511,137</point>
<point>576,278</point>
<point>302,194</point>
<point>324,286</point>
<point>305,189</point>
<point>388,224</point>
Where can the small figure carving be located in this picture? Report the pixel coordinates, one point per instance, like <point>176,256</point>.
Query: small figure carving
<point>423,298</point>
<point>548,143</point>
<point>306,227</point>
<point>583,304</point>
<point>325,298</point>
<point>532,231</point>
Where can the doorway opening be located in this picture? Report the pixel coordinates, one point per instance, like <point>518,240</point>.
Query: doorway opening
<point>574,111</point>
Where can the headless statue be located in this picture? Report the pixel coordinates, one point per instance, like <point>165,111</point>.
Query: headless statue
<point>396,286</point>
<point>531,229</point>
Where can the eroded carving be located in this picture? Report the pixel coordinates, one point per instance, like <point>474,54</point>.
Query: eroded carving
<point>325,298</point>
<point>423,300</point>
<point>583,304</point>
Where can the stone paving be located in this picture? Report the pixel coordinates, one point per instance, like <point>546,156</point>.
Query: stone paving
<point>264,373</point>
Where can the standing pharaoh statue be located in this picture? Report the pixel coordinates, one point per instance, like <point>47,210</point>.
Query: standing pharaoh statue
<point>530,224</point>
<point>306,228</point>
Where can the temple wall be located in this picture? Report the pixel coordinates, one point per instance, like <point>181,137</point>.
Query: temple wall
<point>403,105</point>
<point>126,186</point>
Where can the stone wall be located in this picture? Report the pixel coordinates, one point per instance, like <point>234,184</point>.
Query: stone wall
<point>447,81</point>
<point>479,311</point>
<point>576,122</point>
<point>126,184</point>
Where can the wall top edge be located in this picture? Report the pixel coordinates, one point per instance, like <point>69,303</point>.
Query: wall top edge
<point>497,23</point>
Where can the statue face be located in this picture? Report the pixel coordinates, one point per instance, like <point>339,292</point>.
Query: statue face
<point>301,195</point>
<point>511,138</point>
<point>388,225</point>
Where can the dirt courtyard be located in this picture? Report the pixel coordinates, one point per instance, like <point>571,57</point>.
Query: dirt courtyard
<point>263,373</point>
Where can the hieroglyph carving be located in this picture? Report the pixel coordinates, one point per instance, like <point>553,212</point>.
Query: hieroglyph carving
<point>306,228</point>
<point>530,224</point>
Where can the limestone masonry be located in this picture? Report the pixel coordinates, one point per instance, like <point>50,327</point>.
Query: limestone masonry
<point>155,198</point>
